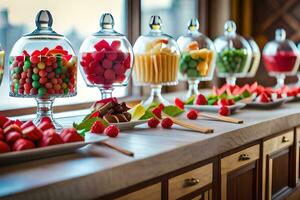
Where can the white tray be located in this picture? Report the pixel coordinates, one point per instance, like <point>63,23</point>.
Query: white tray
<point>269,105</point>
<point>129,125</point>
<point>43,152</point>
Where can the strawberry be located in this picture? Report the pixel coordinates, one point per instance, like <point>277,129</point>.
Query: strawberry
<point>153,122</point>
<point>224,110</point>
<point>7,123</point>
<point>230,102</point>
<point>45,125</point>
<point>46,119</point>
<point>223,102</point>
<point>4,148</point>
<point>263,97</point>
<point>3,120</point>
<point>201,100</point>
<point>157,112</point>
<point>98,127</point>
<point>179,103</point>
<point>18,123</point>
<point>161,106</point>
<point>112,131</point>
<point>167,123</point>
<point>27,124</point>
<point>12,127</point>
<point>32,133</point>
<point>1,134</point>
<point>70,135</point>
<point>50,137</point>
<point>22,144</point>
<point>192,114</point>
<point>12,136</point>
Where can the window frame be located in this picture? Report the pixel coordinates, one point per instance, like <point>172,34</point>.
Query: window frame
<point>133,14</point>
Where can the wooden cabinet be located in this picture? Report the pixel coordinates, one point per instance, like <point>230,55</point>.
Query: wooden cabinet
<point>239,175</point>
<point>278,174</point>
<point>191,182</point>
<point>297,154</point>
<point>152,192</point>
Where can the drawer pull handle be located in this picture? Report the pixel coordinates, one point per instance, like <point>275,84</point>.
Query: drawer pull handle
<point>284,139</point>
<point>244,157</point>
<point>191,181</point>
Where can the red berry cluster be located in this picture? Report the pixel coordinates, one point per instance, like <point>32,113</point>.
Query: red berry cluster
<point>107,64</point>
<point>43,73</point>
<point>154,121</point>
<point>99,128</point>
<point>18,136</point>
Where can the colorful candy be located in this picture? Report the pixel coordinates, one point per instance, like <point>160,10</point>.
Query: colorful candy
<point>43,73</point>
<point>107,64</point>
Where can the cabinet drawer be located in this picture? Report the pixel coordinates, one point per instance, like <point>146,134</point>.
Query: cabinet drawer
<point>239,159</point>
<point>152,192</point>
<point>279,142</point>
<point>190,181</point>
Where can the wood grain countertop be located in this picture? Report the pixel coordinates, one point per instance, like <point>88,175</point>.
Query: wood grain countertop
<point>157,152</point>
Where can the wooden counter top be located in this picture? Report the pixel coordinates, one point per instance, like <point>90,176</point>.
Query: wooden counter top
<point>157,152</point>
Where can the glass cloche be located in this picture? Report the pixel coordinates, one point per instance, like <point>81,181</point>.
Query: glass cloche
<point>233,54</point>
<point>255,59</point>
<point>106,58</point>
<point>281,57</point>
<point>2,61</point>
<point>156,61</point>
<point>43,65</point>
<point>197,60</point>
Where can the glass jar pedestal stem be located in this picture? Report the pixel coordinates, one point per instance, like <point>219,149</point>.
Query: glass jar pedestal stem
<point>231,80</point>
<point>45,109</point>
<point>280,80</point>
<point>106,92</point>
<point>155,97</point>
<point>193,88</point>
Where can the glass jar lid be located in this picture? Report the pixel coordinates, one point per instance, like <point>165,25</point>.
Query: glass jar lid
<point>43,36</point>
<point>155,40</point>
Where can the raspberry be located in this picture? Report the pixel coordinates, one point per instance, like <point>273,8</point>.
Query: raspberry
<point>179,103</point>
<point>201,100</point>
<point>167,123</point>
<point>224,110</point>
<point>157,112</point>
<point>223,102</point>
<point>230,102</point>
<point>97,127</point>
<point>192,114</point>
<point>112,131</point>
<point>161,106</point>
<point>153,122</point>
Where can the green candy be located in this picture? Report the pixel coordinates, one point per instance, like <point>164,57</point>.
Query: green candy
<point>183,66</point>
<point>186,57</point>
<point>26,65</point>
<point>35,77</point>
<point>66,91</point>
<point>66,80</point>
<point>64,70</point>
<point>58,70</point>
<point>193,63</point>
<point>35,84</point>
<point>231,60</point>
<point>42,91</point>
<point>192,73</point>
<point>17,70</point>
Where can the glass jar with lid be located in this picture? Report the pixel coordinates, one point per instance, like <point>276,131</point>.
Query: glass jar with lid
<point>197,60</point>
<point>281,57</point>
<point>106,58</point>
<point>233,54</point>
<point>43,65</point>
<point>156,61</point>
<point>255,59</point>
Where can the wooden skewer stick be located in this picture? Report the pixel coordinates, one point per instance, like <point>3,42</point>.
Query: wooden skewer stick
<point>190,126</point>
<point>119,149</point>
<point>222,118</point>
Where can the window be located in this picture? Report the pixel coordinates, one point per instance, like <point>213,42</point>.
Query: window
<point>76,20</point>
<point>175,14</point>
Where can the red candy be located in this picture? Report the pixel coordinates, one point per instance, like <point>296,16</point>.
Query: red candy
<point>107,64</point>
<point>50,137</point>
<point>22,144</point>
<point>71,135</point>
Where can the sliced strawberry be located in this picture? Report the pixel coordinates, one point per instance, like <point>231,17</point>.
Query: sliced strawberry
<point>224,110</point>
<point>12,127</point>
<point>18,123</point>
<point>50,137</point>
<point>71,135</point>
<point>46,119</point>
<point>98,127</point>
<point>12,136</point>
<point>45,125</point>
<point>32,133</point>
<point>22,144</point>
<point>223,102</point>
<point>27,124</point>
<point>179,103</point>
<point>201,100</point>
<point>3,120</point>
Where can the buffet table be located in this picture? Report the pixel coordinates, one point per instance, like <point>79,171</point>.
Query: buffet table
<point>96,170</point>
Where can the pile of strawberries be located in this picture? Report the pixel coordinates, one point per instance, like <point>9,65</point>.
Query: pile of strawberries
<point>17,136</point>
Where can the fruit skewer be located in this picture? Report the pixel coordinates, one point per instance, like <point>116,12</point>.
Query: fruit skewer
<point>222,118</point>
